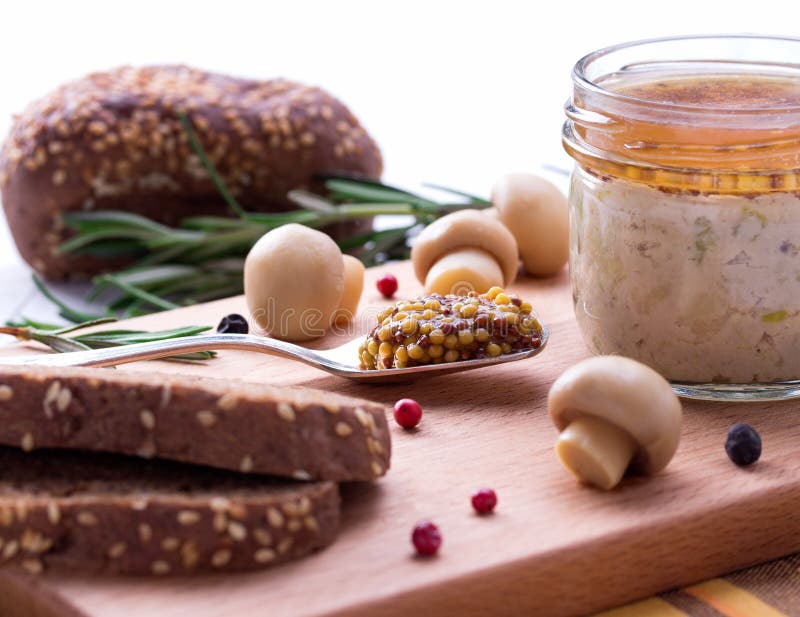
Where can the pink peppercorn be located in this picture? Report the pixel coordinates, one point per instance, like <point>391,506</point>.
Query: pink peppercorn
<point>387,285</point>
<point>484,500</point>
<point>407,412</point>
<point>426,538</point>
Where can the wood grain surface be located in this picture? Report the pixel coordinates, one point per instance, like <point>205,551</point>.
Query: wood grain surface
<point>553,547</point>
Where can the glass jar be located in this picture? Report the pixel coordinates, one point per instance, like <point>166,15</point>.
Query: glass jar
<point>685,210</point>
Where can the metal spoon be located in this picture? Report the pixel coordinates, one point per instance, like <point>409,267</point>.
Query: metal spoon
<point>342,361</point>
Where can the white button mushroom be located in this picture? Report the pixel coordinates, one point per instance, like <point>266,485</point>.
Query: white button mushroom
<point>494,214</point>
<point>464,271</point>
<point>614,414</point>
<point>353,286</point>
<point>536,212</point>
<point>293,282</point>
<point>465,251</point>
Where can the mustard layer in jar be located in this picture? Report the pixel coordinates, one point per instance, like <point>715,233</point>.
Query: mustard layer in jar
<point>696,124</point>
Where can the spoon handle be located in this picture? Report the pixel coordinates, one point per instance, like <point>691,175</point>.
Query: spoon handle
<point>111,356</point>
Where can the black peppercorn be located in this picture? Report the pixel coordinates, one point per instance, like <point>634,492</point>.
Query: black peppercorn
<point>743,444</point>
<point>233,324</point>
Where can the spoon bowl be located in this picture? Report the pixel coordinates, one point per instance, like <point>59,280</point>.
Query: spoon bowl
<point>342,361</point>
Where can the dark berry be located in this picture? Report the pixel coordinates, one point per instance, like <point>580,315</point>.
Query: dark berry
<point>484,500</point>
<point>407,412</point>
<point>743,444</point>
<point>426,538</point>
<point>233,324</point>
<point>387,285</point>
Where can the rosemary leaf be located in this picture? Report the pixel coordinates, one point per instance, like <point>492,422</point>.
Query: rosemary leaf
<point>85,324</point>
<point>24,322</point>
<point>155,274</point>
<point>310,201</point>
<point>382,244</point>
<point>372,236</point>
<point>193,357</point>
<point>349,189</point>
<point>367,182</point>
<point>129,306</point>
<point>162,256</point>
<point>271,221</point>
<point>225,243</point>
<point>136,292</point>
<point>473,199</point>
<point>113,249</point>
<point>122,337</point>
<point>59,343</point>
<point>210,223</point>
<point>106,219</point>
<point>81,241</point>
<point>212,172</point>
<point>64,311</point>
<point>367,210</point>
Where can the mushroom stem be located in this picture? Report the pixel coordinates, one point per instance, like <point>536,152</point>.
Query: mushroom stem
<point>462,271</point>
<point>596,451</point>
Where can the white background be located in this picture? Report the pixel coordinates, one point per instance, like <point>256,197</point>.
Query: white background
<point>456,93</point>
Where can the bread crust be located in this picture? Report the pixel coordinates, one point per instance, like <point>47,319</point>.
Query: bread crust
<point>290,432</point>
<point>113,140</point>
<point>102,513</point>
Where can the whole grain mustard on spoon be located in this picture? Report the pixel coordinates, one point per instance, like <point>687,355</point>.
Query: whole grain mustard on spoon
<point>438,329</point>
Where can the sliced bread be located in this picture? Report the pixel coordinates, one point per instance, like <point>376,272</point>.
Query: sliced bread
<point>63,510</point>
<point>248,427</point>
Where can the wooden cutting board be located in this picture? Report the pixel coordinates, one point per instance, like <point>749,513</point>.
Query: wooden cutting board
<point>552,547</point>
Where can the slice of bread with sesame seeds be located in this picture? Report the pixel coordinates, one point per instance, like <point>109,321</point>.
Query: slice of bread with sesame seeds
<point>62,510</point>
<point>112,140</point>
<point>296,433</point>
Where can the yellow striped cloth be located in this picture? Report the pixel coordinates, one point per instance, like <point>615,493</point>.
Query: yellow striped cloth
<point>768,590</point>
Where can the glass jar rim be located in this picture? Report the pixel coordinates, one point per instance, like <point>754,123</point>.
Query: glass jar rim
<point>582,80</point>
<point>730,144</point>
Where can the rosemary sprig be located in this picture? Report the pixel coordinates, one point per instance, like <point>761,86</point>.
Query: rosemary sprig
<point>194,142</point>
<point>55,337</point>
<point>472,198</point>
<point>64,311</point>
<point>201,258</point>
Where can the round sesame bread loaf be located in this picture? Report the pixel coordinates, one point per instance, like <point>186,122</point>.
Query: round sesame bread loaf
<point>79,511</point>
<point>113,140</point>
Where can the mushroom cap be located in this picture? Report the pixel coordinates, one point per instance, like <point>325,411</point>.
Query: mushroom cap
<point>293,282</point>
<point>629,395</point>
<point>464,271</point>
<point>536,213</point>
<point>465,229</point>
<point>353,286</point>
